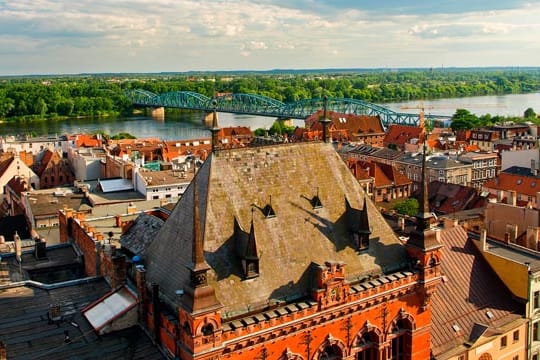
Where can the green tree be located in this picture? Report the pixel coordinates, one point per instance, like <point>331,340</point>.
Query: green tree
<point>529,114</point>
<point>407,207</point>
<point>463,119</point>
<point>40,107</point>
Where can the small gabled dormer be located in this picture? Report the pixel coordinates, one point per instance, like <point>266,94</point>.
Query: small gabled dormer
<point>250,262</point>
<point>246,250</point>
<point>316,201</point>
<point>268,210</point>
<point>358,224</point>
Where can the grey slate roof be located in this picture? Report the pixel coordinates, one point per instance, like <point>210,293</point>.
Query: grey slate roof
<point>141,234</point>
<point>29,335</point>
<point>432,162</point>
<point>229,184</point>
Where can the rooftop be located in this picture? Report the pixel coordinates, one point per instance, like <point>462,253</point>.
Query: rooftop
<point>235,187</point>
<point>30,333</point>
<point>470,294</point>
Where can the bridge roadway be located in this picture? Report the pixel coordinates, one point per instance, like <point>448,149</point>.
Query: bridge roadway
<point>264,106</point>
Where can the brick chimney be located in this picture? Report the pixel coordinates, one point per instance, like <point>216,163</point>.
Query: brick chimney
<point>140,277</point>
<point>119,271</point>
<point>483,240</point>
<point>3,350</point>
<point>512,198</point>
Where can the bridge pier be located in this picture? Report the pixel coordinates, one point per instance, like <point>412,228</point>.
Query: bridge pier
<point>157,112</point>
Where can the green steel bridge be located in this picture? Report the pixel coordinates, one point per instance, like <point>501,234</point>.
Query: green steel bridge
<point>253,104</point>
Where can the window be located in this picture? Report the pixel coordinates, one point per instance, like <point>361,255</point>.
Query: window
<point>503,342</point>
<point>536,300</point>
<point>535,331</point>
<point>515,336</point>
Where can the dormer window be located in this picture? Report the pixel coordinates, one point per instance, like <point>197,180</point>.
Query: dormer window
<point>268,210</point>
<point>316,201</point>
<point>246,250</point>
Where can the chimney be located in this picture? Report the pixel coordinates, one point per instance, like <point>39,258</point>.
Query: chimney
<point>140,277</point>
<point>531,240</point>
<point>131,208</point>
<point>512,198</point>
<point>40,249</point>
<point>118,276</point>
<point>3,350</point>
<point>401,222</point>
<point>156,312</point>
<point>483,240</point>
<point>513,233</point>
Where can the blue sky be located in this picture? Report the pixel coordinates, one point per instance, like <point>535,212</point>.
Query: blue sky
<point>74,36</point>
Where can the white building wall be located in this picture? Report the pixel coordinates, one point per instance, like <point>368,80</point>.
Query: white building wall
<point>519,158</point>
<point>139,183</point>
<point>84,167</point>
<point>35,147</point>
<point>18,167</point>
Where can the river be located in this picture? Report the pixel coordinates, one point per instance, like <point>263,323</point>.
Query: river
<point>189,125</point>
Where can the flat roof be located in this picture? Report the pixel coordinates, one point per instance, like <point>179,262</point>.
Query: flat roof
<point>112,185</point>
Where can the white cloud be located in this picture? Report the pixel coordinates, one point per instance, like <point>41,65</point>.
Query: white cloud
<point>219,34</point>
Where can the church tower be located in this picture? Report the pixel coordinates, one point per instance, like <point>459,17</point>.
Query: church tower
<point>424,246</point>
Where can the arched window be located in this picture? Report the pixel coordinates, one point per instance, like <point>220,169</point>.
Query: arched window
<point>400,340</point>
<point>368,346</point>
<point>207,329</point>
<point>331,352</point>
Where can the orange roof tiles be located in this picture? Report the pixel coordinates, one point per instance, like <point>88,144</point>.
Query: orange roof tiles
<point>354,125</point>
<point>469,291</point>
<point>401,134</point>
<point>384,174</point>
<point>526,185</point>
<point>85,140</point>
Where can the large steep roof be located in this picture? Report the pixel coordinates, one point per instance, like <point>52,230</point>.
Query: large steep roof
<point>469,291</point>
<point>233,182</point>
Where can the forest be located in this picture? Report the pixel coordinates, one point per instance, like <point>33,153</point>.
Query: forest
<point>37,97</point>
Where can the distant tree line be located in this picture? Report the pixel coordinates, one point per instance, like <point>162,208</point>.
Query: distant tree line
<point>100,95</point>
<point>463,119</point>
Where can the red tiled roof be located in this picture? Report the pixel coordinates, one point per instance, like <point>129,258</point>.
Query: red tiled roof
<point>401,134</point>
<point>447,198</point>
<point>85,140</point>
<point>469,291</point>
<point>354,125</point>
<point>47,156</point>
<point>236,130</point>
<point>526,185</point>
<point>383,174</point>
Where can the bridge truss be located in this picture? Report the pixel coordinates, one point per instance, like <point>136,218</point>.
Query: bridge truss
<point>264,106</point>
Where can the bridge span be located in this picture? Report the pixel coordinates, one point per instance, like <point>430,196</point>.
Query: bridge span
<point>253,104</point>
